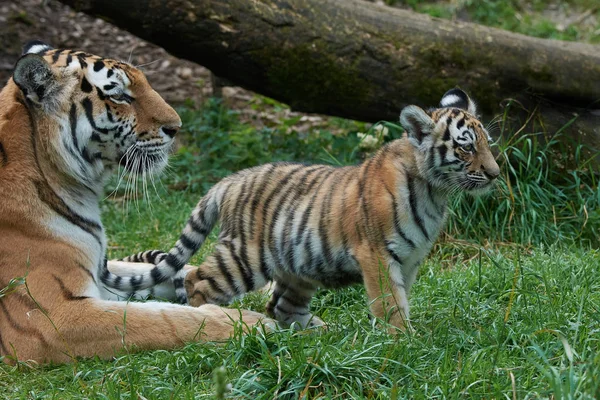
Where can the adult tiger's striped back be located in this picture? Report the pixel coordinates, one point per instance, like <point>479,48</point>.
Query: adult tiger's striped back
<point>67,119</point>
<point>320,226</point>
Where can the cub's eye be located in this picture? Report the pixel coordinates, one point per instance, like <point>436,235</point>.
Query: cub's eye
<point>469,148</point>
<point>121,98</point>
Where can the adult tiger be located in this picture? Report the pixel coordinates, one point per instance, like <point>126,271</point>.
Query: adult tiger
<point>310,226</point>
<point>67,119</point>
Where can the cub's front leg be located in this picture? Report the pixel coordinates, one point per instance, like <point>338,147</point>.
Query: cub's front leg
<point>386,290</point>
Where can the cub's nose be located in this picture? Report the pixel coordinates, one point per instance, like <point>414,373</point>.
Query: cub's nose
<point>170,131</point>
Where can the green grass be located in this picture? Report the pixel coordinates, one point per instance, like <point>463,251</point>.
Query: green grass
<point>510,314</point>
<point>526,17</point>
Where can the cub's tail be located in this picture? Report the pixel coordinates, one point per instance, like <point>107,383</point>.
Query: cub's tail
<point>170,265</point>
<point>148,256</point>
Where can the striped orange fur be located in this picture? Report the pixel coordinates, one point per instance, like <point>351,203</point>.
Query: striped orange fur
<point>311,226</point>
<point>67,119</point>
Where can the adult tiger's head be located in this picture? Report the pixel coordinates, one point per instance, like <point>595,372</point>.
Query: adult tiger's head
<point>453,149</point>
<point>97,113</point>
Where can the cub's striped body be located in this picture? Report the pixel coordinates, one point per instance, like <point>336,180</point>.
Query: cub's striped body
<point>67,119</point>
<point>310,226</point>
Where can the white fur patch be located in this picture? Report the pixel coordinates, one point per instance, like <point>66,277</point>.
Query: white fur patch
<point>38,48</point>
<point>450,99</point>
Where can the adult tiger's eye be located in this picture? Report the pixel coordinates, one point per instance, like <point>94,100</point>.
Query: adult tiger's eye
<point>469,148</point>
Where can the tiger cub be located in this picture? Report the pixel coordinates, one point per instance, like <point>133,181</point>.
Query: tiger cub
<point>311,226</point>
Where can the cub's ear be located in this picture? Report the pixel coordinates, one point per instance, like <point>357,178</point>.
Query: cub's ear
<point>36,47</point>
<point>417,123</point>
<point>457,98</point>
<point>35,78</point>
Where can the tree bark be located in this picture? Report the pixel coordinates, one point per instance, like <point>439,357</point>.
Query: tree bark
<point>358,60</point>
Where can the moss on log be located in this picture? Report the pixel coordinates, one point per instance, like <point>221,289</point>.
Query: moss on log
<point>358,60</point>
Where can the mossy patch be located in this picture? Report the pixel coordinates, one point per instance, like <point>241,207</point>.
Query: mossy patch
<point>307,71</point>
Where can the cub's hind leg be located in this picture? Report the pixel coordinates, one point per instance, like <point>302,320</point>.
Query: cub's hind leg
<point>290,303</point>
<point>222,277</point>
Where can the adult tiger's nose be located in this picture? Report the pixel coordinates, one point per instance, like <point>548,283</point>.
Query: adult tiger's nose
<point>170,131</point>
<point>492,172</point>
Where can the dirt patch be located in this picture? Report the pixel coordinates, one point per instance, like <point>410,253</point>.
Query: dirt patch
<point>60,26</point>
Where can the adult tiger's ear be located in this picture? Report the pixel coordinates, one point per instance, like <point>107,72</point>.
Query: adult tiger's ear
<point>457,98</point>
<point>36,80</point>
<point>417,123</point>
<point>36,47</point>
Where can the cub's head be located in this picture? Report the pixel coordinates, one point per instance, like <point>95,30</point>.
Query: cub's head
<point>452,146</point>
<point>92,113</point>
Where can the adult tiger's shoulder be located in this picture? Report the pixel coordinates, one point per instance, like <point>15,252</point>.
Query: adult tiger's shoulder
<point>67,119</point>
<point>319,226</point>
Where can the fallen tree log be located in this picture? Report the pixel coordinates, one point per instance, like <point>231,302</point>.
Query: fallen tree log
<point>358,60</point>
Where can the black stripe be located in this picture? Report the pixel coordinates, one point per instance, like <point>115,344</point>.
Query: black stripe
<point>3,156</point>
<point>279,207</point>
<point>461,122</point>
<point>211,281</point>
<point>362,202</point>
<point>412,198</point>
<point>154,256</point>
<point>109,114</point>
<point>392,253</point>
<point>135,282</point>
<point>397,226</point>
<point>265,207</point>
<point>87,271</point>
<point>258,195</point>
<point>244,269</point>
<point>69,58</point>
<point>187,242</point>
<point>447,136</point>
<point>73,124</point>
<point>57,204</point>
<point>198,226</point>
<point>178,283</point>
<point>279,290</point>
<point>204,299</point>
<point>98,65</point>
<point>67,294</point>
<point>289,312</point>
<point>245,261</point>
<point>174,262</point>
<point>225,272</point>
<point>289,251</point>
<point>88,106</point>
<point>157,276</point>
<point>306,215</point>
<point>237,214</point>
<point>56,56</point>
<point>81,57</point>
<point>438,209</point>
<point>324,223</point>
<point>86,87</point>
